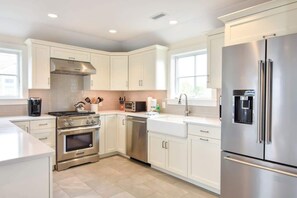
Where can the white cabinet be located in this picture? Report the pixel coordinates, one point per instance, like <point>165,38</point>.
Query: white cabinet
<point>147,69</point>
<point>70,54</point>
<point>119,72</point>
<point>204,156</point>
<point>121,133</point>
<point>110,133</point>
<point>102,136</point>
<point>169,153</point>
<point>45,131</point>
<point>274,18</point>
<point>38,66</point>
<point>157,151</point>
<point>100,80</point>
<point>25,125</point>
<point>215,43</point>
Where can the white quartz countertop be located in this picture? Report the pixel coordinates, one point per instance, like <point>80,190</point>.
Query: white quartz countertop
<point>17,145</point>
<point>215,122</point>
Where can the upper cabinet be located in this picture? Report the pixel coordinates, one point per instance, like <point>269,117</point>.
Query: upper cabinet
<point>119,72</point>
<point>147,68</point>
<point>215,43</point>
<point>70,54</point>
<point>39,66</point>
<point>100,80</point>
<point>274,18</point>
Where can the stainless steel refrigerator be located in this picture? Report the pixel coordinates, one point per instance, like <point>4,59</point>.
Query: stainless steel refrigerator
<point>259,119</point>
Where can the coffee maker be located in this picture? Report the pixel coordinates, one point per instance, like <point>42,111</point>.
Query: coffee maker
<point>34,106</point>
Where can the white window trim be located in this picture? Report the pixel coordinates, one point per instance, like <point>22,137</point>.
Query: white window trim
<point>171,98</point>
<point>23,71</point>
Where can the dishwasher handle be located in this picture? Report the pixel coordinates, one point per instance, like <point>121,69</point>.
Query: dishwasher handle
<point>134,120</point>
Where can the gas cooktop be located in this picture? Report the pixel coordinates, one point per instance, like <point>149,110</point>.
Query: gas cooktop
<point>70,113</point>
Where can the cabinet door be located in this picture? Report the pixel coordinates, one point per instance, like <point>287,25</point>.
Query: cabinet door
<point>100,80</point>
<point>102,136</point>
<point>39,67</point>
<point>121,140</point>
<point>70,54</point>
<point>111,133</point>
<point>204,160</point>
<point>157,151</point>
<point>177,155</point>
<point>23,125</point>
<point>135,72</point>
<point>215,44</point>
<point>148,81</point>
<point>119,73</point>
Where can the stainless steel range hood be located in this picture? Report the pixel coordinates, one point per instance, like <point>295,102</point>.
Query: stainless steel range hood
<point>60,66</point>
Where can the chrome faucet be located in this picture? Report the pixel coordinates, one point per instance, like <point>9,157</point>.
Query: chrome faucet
<point>187,111</point>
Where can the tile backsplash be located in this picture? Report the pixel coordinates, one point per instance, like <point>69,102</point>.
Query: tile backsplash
<point>66,90</point>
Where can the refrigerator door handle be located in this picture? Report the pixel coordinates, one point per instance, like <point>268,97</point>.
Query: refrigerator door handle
<point>268,101</point>
<point>261,167</point>
<point>261,101</point>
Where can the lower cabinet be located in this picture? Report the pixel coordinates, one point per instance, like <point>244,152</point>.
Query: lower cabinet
<point>204,160</point>
<point>112,134</point>
<point>169,153</point>
<point>43,130</point>
<point>23,125</point>
<point>121,133</point>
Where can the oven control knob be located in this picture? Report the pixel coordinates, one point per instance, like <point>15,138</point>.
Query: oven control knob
<point>66,124</point>
<point>70,122</point>
<point>88,122</point>
<point>93,121</point>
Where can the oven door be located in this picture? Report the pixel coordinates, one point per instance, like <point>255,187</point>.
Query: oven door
<point>77,142</point>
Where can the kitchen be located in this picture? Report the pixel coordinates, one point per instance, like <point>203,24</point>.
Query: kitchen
<point>78,130</point>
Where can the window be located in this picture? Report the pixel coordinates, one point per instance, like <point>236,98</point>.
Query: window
<point>10,61</point>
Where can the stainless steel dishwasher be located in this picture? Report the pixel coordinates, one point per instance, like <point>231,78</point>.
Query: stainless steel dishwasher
<point>137,138</point>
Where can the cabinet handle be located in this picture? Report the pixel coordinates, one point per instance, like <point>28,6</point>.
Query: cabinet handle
<point>123,121</point>
<point>163,144</point>
<point>141,82</point>
<point>71,58</point>
<point>92,83</point>
<point>166,145</point>
<point>42,124</point>
<point>269,35</point>
<point>204,139</point>
<point>27,129</point>
<point>203,131</point>
<point>45,138</point>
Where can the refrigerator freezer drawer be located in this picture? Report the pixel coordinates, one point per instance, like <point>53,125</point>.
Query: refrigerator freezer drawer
<point>247,178</point>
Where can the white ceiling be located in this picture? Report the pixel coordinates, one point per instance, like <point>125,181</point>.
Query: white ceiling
<point>87,22</point>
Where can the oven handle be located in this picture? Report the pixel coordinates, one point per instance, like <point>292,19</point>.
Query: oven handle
<point>62,131</point>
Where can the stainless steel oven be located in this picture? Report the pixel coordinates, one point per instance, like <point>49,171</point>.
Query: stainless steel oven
<point>77,138</point>
<point>77,142</point>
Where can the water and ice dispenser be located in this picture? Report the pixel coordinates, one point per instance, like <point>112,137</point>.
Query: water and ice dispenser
<point>243,106</point>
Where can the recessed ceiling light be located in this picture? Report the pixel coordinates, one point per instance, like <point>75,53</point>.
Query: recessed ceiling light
<point>51,15</point>
<point>173,22</point>
<point>112,31</point>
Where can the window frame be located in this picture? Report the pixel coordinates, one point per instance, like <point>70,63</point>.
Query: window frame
<point>172,98</point>
<point>19,47</point>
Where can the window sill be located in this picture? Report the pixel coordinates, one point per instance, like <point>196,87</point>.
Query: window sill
<point>21,101</point>
<point>194,102</point>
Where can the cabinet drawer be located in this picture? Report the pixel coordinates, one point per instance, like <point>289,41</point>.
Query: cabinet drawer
<point>69,54</point>
<point>42,124</point>
<point>204,131</point>
<point>44,137</point>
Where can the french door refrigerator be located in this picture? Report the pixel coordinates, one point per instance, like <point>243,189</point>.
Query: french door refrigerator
<point>259,119</point>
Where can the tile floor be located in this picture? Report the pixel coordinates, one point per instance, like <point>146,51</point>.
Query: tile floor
<point>118,177</point>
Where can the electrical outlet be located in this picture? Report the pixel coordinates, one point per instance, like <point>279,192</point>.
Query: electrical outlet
<point>163,105</point>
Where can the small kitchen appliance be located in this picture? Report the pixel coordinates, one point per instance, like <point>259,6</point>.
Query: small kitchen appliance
<point>135,106</point>
<point>34,106</point>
